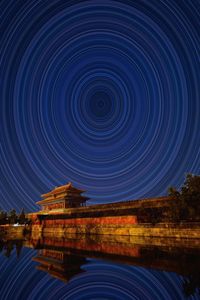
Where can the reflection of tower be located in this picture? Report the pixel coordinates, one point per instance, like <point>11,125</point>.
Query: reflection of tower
<point>60,265</point>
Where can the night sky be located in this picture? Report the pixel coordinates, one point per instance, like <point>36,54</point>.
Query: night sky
<point>104,94</point>
<point>101,93</point>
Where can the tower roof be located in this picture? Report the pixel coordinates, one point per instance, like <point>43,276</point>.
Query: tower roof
<point>63,188</point>
<point>59,193</point>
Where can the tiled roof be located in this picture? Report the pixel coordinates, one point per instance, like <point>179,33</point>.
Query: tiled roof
<point>61,189</point>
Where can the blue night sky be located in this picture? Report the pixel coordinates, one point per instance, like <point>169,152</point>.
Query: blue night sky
<point>104,94</point>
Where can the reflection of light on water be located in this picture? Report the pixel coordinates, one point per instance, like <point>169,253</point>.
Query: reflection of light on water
<point>75,258</point>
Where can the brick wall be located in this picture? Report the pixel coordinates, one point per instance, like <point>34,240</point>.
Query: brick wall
<point>122,220</point>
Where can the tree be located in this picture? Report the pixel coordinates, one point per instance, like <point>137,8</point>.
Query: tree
<point>3,217</point>
<point>22,217</point>
<point>12,217</point>
<point>186,205</point>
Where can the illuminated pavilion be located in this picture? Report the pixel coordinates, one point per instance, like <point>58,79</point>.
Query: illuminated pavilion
<point>62,197</point>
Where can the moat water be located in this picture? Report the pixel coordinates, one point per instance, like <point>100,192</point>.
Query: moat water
<point>98,267</point>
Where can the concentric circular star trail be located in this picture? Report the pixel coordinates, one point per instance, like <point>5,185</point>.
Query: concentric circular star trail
<point>104,94</point>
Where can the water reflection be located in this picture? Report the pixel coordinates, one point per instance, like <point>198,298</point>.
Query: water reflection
<point>63,257</point>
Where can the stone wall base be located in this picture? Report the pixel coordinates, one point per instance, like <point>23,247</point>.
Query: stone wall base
<point>188,231</point>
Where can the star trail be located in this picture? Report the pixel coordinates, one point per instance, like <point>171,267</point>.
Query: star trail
<point>104,94</point>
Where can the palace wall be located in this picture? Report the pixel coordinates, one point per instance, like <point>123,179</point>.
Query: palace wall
<point>118,218</point>
<point>123,220</point>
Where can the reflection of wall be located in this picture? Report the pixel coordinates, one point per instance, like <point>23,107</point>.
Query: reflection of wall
<point>172,258</point>
<point>91,245</point>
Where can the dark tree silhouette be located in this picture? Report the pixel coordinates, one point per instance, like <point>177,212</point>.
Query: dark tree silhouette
<point>186,205</point>
<point>22,217</point>
<point>12,216</point>
<point>3,217</point>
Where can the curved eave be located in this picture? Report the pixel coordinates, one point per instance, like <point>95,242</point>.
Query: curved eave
<point>81,199</point>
